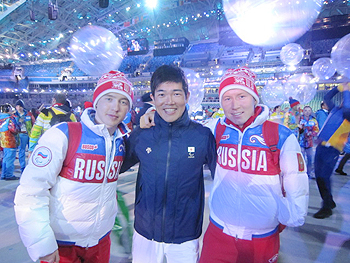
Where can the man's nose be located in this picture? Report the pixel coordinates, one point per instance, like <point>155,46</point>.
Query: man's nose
<point>169,99</point>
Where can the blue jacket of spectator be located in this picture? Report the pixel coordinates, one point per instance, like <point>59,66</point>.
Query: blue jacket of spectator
<point>321,116</point>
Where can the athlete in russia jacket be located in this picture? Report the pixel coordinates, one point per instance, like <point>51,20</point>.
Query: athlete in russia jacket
<point>170,185</point>
<point>246,198</point>
<point>74,203</point>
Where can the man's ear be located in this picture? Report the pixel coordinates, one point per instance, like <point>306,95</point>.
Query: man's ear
<point>151,95</point>
<point>188,96</point>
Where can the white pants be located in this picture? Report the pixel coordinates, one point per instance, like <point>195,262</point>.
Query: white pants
<point>150,251</point>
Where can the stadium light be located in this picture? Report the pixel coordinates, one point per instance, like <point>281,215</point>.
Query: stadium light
<point>151,3</point>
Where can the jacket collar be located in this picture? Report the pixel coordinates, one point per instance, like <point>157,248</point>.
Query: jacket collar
<point>88,118</point>
<point>184,120</point>
<point>261,114</point>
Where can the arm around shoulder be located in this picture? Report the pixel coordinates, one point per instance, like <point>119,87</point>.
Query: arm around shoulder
<point>130,158</point>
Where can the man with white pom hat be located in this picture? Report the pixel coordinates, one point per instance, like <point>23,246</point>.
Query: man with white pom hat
<point>260,180</point>
<point>66,202</point>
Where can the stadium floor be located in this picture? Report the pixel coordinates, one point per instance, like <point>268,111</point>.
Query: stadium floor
<point>318,240</point>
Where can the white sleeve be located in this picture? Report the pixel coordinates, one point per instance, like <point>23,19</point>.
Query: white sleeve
<point>33,193</point>
<point>293,207</point>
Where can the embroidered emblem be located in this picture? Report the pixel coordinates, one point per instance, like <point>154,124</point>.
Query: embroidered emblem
<point>191,150</point>
<point>255,138</point>
<point>42,156</point>
<point>148,150</point>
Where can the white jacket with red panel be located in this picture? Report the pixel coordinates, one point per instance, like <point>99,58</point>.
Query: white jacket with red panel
<point>76,204</point>
<point>246,198</point>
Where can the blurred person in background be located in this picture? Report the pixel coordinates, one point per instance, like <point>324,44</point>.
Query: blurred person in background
<point>308,134</point>
<point>147,103</point>
<point>45,119</point>
<point>322,114</point>
<point>25,121</point>
<point>292,117</point>
<point>332,138</point>
<point>9,129</point>
<point>277,115</point>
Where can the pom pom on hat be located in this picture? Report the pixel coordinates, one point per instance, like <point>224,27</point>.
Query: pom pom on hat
<point>293,102</point>
<point>113,81</point>
<point>88,104</point>
<point>241,78</point>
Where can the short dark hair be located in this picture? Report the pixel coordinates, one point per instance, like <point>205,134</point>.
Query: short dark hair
<point>60,98</point>
<point>168,73</point>
<point>276,107</point>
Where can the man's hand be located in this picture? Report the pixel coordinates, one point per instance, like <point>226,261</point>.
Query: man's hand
<point>147,120</point>
<point>51,258</point>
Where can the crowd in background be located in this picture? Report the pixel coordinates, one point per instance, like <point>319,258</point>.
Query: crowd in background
<point>17,123</point>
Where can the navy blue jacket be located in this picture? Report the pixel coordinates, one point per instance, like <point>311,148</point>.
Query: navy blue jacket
<point>169,199</point>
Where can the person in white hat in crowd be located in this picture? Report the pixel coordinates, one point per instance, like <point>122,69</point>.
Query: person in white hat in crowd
<point>258,187</point>
<point>66,202</point>
<point>169,202</point>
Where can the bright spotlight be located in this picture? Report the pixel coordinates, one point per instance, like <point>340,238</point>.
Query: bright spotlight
<point>151,3</point>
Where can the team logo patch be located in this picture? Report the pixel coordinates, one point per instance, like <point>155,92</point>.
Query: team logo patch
<point>42,156</point>
<point>148,150</point>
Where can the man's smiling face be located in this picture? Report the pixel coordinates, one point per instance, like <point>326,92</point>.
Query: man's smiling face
<point>170,100</point>
<point>238,106</point>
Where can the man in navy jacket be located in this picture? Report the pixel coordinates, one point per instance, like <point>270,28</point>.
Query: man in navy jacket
<point>170,185</point>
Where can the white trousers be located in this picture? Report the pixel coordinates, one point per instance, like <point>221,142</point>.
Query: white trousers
<point>150,251</point>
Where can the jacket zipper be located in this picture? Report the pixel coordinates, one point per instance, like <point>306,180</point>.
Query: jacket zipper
<point>166,180</point>
<point>110,146</point>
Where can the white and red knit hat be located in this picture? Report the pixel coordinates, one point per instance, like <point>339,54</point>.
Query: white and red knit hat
<point>113,81</point>
<point>241,78</point>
